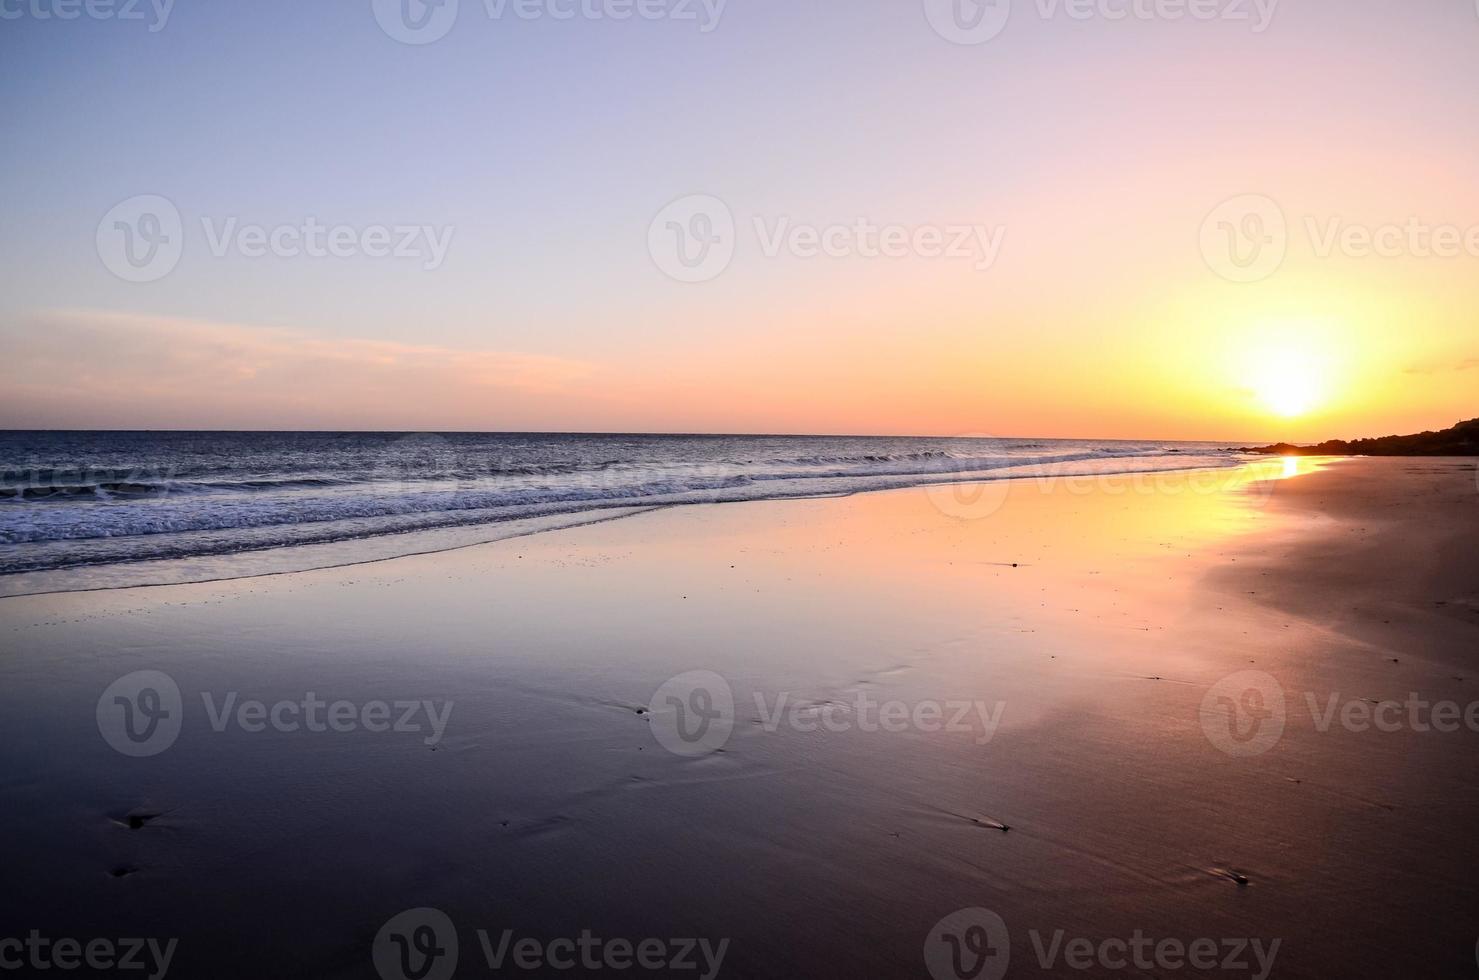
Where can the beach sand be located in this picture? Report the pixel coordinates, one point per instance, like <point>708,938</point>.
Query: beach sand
<point>1085,637</point>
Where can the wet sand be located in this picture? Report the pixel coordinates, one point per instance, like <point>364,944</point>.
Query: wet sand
<point>1098,779</point>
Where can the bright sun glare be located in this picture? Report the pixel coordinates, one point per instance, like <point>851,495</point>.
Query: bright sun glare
<point>1287,383</point>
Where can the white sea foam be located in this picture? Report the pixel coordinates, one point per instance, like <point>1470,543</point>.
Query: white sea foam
<point>138,497</point>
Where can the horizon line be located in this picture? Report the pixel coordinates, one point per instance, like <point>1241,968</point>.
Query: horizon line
<point>669,434</point>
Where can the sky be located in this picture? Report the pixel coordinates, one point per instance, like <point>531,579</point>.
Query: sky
<point>1071,218</point>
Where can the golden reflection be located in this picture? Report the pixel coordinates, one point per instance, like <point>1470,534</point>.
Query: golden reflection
<point>1087,520</point>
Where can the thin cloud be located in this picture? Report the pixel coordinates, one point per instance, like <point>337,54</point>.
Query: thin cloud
<point>84,368</point>
<point>1464,365</point>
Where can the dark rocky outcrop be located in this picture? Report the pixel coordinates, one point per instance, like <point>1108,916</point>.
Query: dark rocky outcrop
<point>1460,440</point>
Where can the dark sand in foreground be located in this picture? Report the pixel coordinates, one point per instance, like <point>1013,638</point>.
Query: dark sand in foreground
<point>1095,616</point>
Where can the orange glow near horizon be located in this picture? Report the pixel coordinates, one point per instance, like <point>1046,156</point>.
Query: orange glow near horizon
<point>1206,365</point>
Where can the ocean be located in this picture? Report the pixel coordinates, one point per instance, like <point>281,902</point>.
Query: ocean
<point>77,501</point>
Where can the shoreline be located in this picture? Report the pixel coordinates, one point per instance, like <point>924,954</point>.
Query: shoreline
<point>348,552</point>
<point>1373,498</point>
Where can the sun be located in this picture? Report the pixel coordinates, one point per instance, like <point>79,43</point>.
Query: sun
<point>1287,384</point>
<point>1286,367</point>
<point>1287,380</point>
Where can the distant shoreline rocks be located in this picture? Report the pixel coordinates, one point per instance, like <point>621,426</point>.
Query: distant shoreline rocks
<point>1460,440</point>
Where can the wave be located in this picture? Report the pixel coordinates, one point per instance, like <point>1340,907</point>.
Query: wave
<point>93,491</point>
<point>450,506</point>
<point>111,490</point>
<point>146,517</point>
<point>200,505</point>
<point>412,468</point>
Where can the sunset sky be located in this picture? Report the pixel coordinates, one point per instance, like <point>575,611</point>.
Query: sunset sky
<point>545,148</point>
